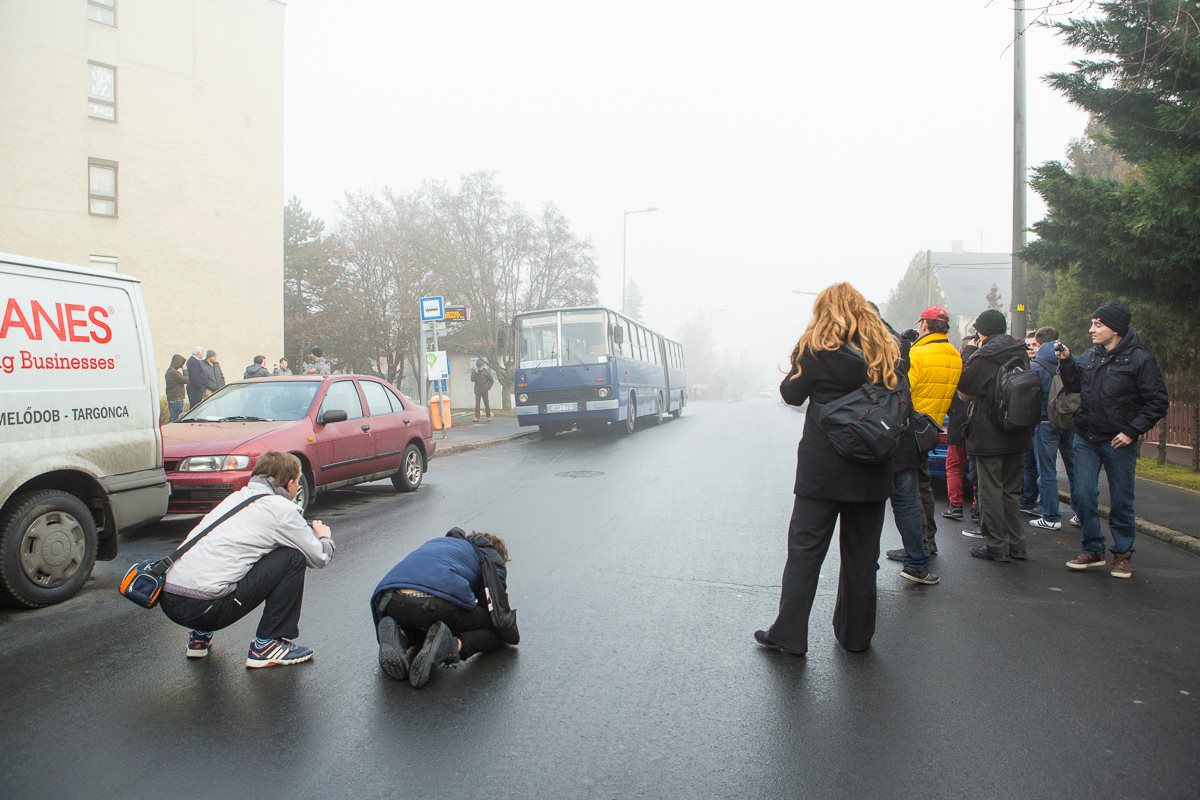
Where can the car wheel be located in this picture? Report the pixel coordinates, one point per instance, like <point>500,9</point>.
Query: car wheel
<point>677,413</point>
<point>304,493</point>
<point>412,468</point>
<point>631,417</point>
<point>47,548</point>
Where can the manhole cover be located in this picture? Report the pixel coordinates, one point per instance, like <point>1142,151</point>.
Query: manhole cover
<point>579,473</point>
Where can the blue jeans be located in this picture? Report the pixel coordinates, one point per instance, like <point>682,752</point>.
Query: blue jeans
<point>175,407</point>
<point>1119,465</point>
<point>1047,441</point>
<point>1030,485</point>
<point>906,509</point>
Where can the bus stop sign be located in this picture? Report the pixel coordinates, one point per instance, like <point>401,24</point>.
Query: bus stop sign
<point>432,308</point>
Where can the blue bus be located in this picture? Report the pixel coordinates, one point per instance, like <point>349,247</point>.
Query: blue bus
<point>593,367</point>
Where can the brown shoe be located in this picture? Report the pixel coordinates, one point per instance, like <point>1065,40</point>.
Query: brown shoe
<point>1122,565</point>
<point>1085,560</point>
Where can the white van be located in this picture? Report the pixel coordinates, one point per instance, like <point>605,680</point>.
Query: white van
<point>80,446</point>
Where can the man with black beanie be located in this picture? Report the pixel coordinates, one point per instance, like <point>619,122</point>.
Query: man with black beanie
<point>1122,395</point>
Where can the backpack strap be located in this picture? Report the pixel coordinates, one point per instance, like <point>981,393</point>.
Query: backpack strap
<point>190,543</point>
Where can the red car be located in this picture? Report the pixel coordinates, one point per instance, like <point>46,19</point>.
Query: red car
<point>345,429</point>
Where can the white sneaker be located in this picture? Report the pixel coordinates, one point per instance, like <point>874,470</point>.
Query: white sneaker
<point>1076,521</point>
<point>1041,522</point>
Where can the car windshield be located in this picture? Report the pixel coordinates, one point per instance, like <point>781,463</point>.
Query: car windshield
<point>256,402</point>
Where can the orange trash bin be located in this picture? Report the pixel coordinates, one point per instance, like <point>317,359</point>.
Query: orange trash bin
<point>439,412</point>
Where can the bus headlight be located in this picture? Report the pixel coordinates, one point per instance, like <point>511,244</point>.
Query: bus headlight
<point>522,398</point>
<point>602,392</point>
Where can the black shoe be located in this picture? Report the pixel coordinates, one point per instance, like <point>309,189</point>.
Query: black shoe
<point>440,648</point>
<point>761,638</point>
<point>1018,556</point>
<point>974,515</point>
<point>926,577</point>
<point>952,512</point>
<point>393,659</point>
<point>895,555</point>
<point>974,533</point>
<point>1033,511</point>
<point>987,555</point>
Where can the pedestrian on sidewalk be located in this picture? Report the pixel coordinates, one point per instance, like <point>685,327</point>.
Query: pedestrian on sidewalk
<point>256,556</point>
<point>258,369</point>
<point>176,387</point>
<point>199,373</point>
<point>281,368</point>
<point>844,346</point>
<point>999,453</point>
<point>956,447</point>
<point>1122,396</point>
<point>443,603</point>
<point>1049,441</point>
<point>316,363</point>
<point>1030,484</point>
<point>481,376</point>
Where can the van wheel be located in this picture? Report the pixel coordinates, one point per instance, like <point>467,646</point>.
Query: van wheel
<point>631,418</point>
<point>47,548</point>
<point>304,493</point>
<point>412,467</point>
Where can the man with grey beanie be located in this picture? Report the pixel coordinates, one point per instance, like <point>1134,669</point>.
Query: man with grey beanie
<point>1122,395</point>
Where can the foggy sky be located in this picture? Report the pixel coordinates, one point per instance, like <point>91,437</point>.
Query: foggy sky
<point>787,145</point>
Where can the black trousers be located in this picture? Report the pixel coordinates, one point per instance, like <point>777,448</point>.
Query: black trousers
<point>809,535</point>
<point>277,579</point>
<point>928,506</point>
<point>414,615</point>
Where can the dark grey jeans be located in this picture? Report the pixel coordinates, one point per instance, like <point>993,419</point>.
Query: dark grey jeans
<point>1001,479</point>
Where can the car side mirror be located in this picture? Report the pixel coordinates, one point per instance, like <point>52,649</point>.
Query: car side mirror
<point>333,415</point>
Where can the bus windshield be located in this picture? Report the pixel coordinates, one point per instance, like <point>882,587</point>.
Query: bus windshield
<point>583,339</point>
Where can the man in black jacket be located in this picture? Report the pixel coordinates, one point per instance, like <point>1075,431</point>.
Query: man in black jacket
<point>999,454</point>
<point>1122,396</point>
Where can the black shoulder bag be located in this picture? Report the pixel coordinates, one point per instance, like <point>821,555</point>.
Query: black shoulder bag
<point>144,581</point>
<point>865,425</point>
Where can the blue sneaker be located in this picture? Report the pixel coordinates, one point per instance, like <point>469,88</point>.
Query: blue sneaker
<point>276,653</point>
<point>198,643</point>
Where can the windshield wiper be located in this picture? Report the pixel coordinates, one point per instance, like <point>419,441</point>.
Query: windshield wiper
<point>243,419</point>
<point>572,354</point>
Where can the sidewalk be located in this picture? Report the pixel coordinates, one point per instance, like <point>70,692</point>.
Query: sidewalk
<point>464,434</point>
<point>1163,512</point>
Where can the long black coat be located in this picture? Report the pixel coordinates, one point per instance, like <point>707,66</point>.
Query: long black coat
<point>978,379</point>
<point>820,472</point>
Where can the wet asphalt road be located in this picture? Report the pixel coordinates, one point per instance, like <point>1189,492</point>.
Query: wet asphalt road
<point>641,567</point>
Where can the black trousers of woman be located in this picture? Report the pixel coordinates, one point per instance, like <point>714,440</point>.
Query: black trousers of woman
<point>415,614</point>
<point>809,535</point>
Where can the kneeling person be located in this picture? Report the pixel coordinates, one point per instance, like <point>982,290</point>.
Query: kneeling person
<point>256,555</point>
<point>445,602</point>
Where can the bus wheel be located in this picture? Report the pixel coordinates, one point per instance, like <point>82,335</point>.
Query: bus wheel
<point>631,418</point>
<point>678,412</point>
<point>658,412</point>
<point>47,548</point>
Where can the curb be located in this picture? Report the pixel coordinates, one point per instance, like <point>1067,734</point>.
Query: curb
<point>1183,541</point>
<point>452,449</point>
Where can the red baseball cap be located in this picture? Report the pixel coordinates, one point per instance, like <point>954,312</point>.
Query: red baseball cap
<point>935,312</point>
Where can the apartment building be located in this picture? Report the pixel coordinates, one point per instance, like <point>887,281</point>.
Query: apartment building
<point>146,137</point>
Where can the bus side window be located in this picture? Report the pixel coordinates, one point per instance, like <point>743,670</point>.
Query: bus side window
<point>641,348</point>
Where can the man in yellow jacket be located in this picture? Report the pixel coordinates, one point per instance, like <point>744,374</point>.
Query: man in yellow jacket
<point>934,367</point>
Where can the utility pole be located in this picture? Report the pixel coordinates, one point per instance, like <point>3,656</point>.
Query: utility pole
<point>1018,224</point>
<point>928,278</point>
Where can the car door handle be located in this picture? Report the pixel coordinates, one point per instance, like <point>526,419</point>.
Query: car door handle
<point>366,427</point>
<point>405,420</point>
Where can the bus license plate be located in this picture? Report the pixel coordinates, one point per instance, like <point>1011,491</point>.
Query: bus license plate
<point>557,408</point>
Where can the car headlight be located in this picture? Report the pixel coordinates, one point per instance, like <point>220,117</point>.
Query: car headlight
<point>602,392</point>
<point>522,398</point>
<point>213,463</point>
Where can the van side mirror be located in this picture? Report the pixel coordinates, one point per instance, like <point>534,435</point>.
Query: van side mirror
<point>618,335</point>
<point>332,415</point>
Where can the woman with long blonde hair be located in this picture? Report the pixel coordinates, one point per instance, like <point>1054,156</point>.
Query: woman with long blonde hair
<point>845,345</point>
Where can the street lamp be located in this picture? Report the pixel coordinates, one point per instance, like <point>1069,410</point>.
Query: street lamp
<point>624,227</point>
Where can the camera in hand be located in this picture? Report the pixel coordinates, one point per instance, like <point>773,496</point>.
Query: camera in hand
<point>1059,347</point>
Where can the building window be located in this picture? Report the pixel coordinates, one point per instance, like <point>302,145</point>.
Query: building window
<point>102,187</point>
<point>102,91</point>
<point>107,263</point>
<point>104,11</point>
